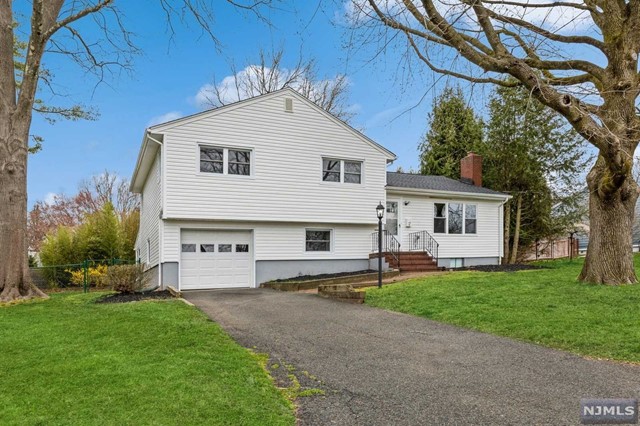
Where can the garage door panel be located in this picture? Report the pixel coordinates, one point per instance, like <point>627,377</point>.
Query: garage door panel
<point>222,259</point>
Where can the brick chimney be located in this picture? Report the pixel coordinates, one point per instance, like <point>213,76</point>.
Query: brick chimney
<point>471,169</point>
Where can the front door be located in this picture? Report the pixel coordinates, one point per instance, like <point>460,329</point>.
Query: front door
<point>392,217</point>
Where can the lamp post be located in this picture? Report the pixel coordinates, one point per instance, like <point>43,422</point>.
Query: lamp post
<point>380,214</point>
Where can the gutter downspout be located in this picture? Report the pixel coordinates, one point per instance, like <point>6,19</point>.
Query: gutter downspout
<point>151,138</point>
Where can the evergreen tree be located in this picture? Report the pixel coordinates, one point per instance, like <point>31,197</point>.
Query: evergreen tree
<point>454,130</point>
<point>532,155</point>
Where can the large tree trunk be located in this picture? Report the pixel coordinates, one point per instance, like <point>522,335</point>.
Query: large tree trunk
<point>516,231</point>
<point>15,280</point>
<point>507,232</point>
<point>609,254</point>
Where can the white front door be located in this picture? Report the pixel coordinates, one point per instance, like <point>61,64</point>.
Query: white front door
<point>393,217</point>
<point>215,259</point>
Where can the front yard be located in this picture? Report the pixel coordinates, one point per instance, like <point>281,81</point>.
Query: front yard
<point>68,360</point>
<point>548,307</point>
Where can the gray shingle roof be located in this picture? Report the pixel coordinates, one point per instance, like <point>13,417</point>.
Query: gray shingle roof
<point>435,183</point>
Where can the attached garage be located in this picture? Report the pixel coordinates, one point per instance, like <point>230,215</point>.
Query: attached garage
<point>216,259</point>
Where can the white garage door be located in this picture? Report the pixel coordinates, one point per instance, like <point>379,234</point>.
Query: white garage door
<point>215,259</point>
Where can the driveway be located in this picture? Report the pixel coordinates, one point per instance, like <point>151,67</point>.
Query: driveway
<point>384,368</point>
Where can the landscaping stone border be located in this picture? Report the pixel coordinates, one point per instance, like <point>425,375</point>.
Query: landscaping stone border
<point>312,284</point>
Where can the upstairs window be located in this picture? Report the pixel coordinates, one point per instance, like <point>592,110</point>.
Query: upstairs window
<point>225,161</point>
<point>239,162</point>
<point>454,218</point>
<point>343,171</point>
<point>211,160</point>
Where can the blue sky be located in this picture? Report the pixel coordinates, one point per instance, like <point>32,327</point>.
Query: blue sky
<point>169,73</point>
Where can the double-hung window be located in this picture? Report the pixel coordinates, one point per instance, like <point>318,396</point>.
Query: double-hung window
<point>454,218</point>
<point>318,240</point>
<point>225,161</point>
<point>344,171</point>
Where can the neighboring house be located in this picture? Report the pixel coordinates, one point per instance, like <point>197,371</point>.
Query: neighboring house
<point>275,187</point>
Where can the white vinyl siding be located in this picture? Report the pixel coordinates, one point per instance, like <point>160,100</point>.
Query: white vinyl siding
<point>148,242</point>
<point>286,157</point>
<point>278,241</point>
<point>486,242</point>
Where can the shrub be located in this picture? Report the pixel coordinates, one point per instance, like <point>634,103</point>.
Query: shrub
<point>126,278</point>
<point>95,275</point>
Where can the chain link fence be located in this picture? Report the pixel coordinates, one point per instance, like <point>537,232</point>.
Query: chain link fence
<point>85,275</point>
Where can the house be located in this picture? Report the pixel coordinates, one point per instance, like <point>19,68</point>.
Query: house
<point>275,187</point>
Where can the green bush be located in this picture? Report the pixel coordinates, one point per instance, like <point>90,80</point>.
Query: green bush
<point>126,278</point>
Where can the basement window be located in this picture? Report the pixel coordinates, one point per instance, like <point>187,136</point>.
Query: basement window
<point>318,240</point>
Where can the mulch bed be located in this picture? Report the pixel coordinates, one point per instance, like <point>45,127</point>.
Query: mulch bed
<point>322,276</point>
<point>501,268</point>
<point>135,297</point>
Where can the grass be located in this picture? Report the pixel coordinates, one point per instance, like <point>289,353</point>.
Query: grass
<point>547,307</point>
<point>68,360</point>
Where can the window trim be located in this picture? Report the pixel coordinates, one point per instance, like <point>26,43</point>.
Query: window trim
<point>342,160</point>
<point>225,159</point>
<point>446,221</point>
<point>331,240</point>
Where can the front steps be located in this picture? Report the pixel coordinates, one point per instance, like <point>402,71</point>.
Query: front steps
<point>410,261</point>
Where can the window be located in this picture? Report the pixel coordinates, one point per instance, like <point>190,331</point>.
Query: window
<point>242,248</point>
<point>225,161</point>
<point>454,218</point>
<point>470,219</point>
<point>439,218</point>
<point>352,171</point>
<point>224,248</point>
<point>343,171</point>
<point>211,160</point>
<point>207,248</point>
<point>318,240</point>
<point>330,170</point>
<point>456,263</point>
<point>188,248</point>
<point>239,162</point>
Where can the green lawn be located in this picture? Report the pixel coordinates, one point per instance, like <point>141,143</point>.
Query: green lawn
<point>67,360</point>
<point>548,307</point>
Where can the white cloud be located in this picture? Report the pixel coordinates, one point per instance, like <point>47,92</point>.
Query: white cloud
<point>255,80</point>
<point>50,198</point>
<point>172,115</point>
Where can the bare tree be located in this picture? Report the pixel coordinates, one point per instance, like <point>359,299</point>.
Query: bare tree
<point>538,45</point>
<point>270,74</point>
<point>58,27</point>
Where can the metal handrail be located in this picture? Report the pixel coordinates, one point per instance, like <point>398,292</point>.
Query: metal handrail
<point>424,241</point>
<point>389,245</point>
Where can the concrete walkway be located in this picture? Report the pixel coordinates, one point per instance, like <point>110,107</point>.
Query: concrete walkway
<point>385,368</point>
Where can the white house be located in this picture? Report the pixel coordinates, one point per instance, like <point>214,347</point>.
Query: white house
<point>275,187</point>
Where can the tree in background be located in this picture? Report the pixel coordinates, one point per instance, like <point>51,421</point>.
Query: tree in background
<point>454,130</point>
<point>269,75</point>
<point>531,154</point>
<point>101,235</point>
<point>71,211</point>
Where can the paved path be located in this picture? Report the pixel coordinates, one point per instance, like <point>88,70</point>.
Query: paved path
<point>385,368</point>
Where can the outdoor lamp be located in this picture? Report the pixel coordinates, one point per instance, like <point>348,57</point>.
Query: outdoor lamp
<point>380,214</point>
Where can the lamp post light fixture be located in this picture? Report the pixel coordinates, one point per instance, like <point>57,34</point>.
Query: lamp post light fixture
<point>380,214</point>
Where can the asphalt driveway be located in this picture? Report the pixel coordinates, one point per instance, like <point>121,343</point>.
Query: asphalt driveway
<point>384,368</point>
